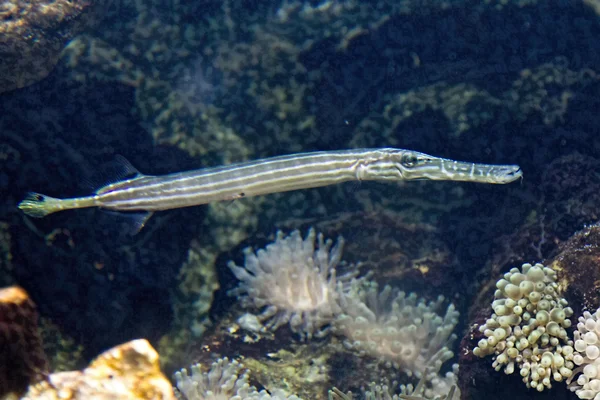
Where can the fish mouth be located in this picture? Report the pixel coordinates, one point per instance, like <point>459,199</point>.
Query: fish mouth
<point>475,172</point>
<point>451,170</point>
<point>506,173</point>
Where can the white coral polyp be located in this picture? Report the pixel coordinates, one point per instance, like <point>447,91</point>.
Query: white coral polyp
<point>402,331</point>
<point>294,281</point>
<point>586,357</point>
<point>527,331</point>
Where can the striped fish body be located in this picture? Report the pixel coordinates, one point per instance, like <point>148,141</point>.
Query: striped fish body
<point>278,174</point>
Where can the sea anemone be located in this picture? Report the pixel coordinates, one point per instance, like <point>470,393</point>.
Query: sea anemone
<point>400,330</point>
<point>222,381</point>
<point>226,380</point>
<point>294,281</point>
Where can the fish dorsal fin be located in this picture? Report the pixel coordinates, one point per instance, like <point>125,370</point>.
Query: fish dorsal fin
<point>124,169</point>
<point>116,170</point>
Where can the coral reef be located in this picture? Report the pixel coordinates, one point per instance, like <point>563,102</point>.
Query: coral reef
<point>295,280</point>
<point>22,359</point>
<point>128,371</point>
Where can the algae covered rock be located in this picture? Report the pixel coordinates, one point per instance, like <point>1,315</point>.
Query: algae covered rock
<point>33,34</point>
<point>577,264</point>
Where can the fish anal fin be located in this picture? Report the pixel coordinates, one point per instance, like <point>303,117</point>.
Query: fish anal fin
<point>132,222</point>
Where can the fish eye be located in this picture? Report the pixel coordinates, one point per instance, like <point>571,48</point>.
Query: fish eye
<point>409,161</point>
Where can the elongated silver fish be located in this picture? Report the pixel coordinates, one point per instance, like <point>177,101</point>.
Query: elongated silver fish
<point>271,175</point>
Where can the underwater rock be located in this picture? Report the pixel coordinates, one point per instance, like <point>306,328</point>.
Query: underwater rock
<point>22,359</point>
<point>6,265</point>
<point>64,353</point>
<point>33,34</point>
<point>103,272</point>
<point>128,371</point>
<point>567,198</point>
<point>274,361</point>
<point>563,202</point>
<point>577,264</point>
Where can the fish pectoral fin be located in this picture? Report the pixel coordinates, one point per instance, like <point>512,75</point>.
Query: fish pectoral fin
<point>131,221</point>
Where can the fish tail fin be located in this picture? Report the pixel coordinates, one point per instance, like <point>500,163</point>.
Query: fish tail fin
<point>39,205</point>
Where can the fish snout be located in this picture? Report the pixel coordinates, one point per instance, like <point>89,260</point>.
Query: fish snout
<point>506,173</point>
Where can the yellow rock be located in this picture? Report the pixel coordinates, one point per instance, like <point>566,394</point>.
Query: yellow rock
<point>129,371</point>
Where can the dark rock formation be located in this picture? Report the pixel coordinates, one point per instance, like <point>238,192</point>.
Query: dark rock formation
<point>33,34</point>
